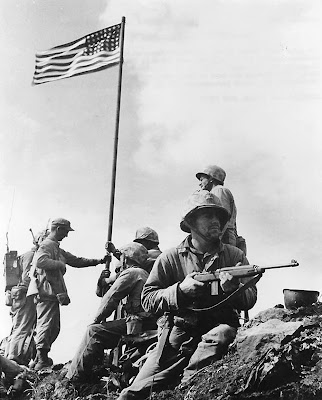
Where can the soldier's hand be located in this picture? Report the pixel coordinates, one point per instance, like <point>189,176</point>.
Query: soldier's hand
<point>228,282</point>
<point>191,287</point>
<point>105,274</point>
<point>105,259</point>
<point>109,246</point>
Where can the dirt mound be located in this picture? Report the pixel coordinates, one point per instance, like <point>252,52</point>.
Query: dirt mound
<point>276,355</point>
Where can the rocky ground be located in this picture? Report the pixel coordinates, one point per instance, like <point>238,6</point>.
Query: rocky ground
<point>276,355</point>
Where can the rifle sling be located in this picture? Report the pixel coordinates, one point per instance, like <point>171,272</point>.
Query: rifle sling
<point>251,282</point>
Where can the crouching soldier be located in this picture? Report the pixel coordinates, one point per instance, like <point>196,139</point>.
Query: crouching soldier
<point>194,331</point>
<point>146,236</point>
<point>105,335</point>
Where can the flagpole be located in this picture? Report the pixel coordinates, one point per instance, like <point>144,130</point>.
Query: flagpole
<point>116,135</point>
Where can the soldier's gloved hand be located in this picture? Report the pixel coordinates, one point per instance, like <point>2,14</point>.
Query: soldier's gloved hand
<point>105,259</point>
<point>105,274</point>
<point>109,246</point>
<point>191,287</point>
<point>228,282</point>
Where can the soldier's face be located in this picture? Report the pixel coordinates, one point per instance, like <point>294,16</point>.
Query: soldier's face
<point>205,182</point>
<point>62,232</point>
<point>207,223</point>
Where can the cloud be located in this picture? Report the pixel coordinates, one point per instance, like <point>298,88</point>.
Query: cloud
<point>224,78</point>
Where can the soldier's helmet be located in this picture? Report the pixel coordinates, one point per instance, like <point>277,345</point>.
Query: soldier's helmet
<point>214,172</point>
<point>146,233</point>
<point>203,199</point>
<point>136,252</point>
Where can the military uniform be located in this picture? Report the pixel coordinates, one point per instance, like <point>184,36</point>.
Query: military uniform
<point>23,312</point>
<point>99,336</point>
<point>194,331</point>
<point>227,199</point>
<point>197,338</point>
<point>47,282</point>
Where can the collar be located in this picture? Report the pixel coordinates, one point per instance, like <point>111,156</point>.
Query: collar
<point>51,240</point>
<point>186,246</point>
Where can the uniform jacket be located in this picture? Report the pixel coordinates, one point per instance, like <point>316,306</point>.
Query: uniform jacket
<point>49,266</point>
<point>227,200</point>
<point>161,292</point>
<point>128,286</point>
<point>25,261</point>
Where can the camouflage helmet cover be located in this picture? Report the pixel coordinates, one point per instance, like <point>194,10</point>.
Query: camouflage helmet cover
<point>136,252</point>
<point>147,233</point>
<point>203,199</point>
<point>214,172</point>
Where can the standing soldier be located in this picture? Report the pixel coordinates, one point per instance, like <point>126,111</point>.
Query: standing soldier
<point>23,311</point>
<point>49,266</point>
<point>212,179</point>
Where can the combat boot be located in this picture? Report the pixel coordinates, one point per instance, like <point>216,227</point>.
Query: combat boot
<point>43,361</point>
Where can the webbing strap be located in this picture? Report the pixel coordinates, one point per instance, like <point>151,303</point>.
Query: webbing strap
<point>241,289</point>
<point>179,258</point>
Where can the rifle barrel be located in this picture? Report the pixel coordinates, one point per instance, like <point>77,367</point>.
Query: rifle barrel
<point>292,264</point>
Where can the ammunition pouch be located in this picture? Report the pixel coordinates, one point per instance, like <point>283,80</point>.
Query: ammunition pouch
<point>187,322</point>
<point>133,325</point>
<point>8,298</point>
<point>18,292</point>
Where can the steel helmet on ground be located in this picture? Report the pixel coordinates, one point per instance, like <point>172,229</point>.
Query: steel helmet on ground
<point>214,172</point>
<point>203,199</point>
<point>147,233</point>
<point>136,252</point>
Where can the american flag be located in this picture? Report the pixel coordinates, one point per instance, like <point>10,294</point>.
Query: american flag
<point>92,52</point>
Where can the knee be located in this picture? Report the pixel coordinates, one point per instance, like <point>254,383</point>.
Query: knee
<point>222,335</point>
<point>93,329</point>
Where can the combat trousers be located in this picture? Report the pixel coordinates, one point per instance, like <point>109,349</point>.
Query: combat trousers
<point>91,350</point>
<point>184,353</point>
<point>23,324</point>
<point>48,324</point>
<point>97,338</point>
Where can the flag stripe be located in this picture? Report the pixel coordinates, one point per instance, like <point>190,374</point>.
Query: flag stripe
<point>79,44</point>
<point>91,53</point>
<point>96,64</point>
<point>77,65</point>
<point>62,61</point>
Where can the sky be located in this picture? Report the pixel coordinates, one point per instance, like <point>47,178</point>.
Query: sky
<point>233,83</point>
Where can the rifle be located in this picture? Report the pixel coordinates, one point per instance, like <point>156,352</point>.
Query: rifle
<point>240,271</point>
<point>33,237</point>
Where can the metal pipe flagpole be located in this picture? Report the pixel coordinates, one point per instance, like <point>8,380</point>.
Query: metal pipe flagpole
<point>116,136</point>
